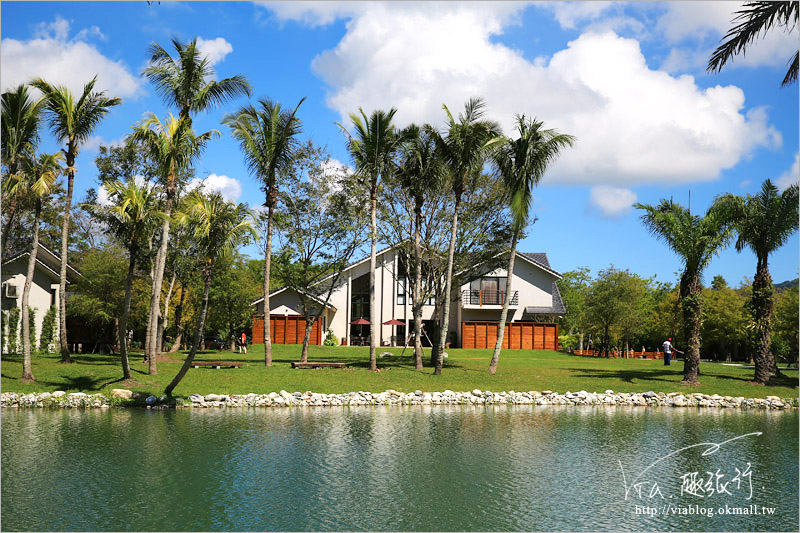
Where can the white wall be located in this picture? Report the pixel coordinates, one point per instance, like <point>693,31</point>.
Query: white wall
<point>40,296</point>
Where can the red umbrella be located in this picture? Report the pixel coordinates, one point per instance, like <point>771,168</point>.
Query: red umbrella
<point>394,322</point>
<point>360,322</point>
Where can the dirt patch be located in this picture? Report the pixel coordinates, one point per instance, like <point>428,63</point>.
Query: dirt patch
<point>163,358</point>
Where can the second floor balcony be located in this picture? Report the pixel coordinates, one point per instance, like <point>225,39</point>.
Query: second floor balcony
<point>487,298</point>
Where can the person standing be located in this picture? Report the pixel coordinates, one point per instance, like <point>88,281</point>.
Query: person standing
<point>667,346</point>
<point>244,342</point>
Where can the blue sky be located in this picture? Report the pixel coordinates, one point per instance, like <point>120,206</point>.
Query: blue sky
<point>626,78</point>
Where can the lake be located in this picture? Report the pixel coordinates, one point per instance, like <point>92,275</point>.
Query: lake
<point>412,468</point>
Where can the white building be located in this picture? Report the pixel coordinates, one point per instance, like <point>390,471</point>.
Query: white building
<point>474,314</point>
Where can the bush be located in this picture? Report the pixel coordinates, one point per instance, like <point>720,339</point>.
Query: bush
<point>13,330</point>
<point>330,339</point>
<point>49,337</point>
<point>32,327</point>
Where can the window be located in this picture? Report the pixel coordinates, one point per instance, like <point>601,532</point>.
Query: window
<point>401,291</point>
<point>53,292</point>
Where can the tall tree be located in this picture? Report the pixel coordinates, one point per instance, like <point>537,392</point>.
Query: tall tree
<point>372,145</point>
<point>175,148</point>
<point>20,120</point>
<point>72,122</point>
<point>38,178</point>
<point>464,146</point>
<point>522,162</point>
<point>763,223</point>
<point>268,137</point>
<point>219,228</point>
<point>695,240</point>
<point>753,21</point>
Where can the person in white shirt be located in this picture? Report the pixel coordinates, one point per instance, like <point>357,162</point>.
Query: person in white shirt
<point>667,347</point>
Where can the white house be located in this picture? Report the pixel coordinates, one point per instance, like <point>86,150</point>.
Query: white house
<point>44,288</point>
<point>474,314</point>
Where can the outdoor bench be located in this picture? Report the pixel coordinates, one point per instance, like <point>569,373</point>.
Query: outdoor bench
<point>297,364</point>
<point>215,364</point>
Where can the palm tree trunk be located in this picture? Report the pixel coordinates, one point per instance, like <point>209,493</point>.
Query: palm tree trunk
<point>267,266</point>
<point>27,372</point>
<point>501,327</point>
<point>417,307</point>
<point>762,303</point>
<point>12,210</point>
<point>158,278</point>
<point>691,300</point>
<point>164,322</point>
<point>178,321</point>
<point>62,277</point>
<point>198,332</point>
<point>447,289</point>
<point>123,320</point>
<point>373,311</point>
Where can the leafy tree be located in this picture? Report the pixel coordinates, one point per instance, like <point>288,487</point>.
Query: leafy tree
<point>695,240</point>
<point>229,299</point>
<point>372,145</point>
<point>49,337</point>
<point>724,321</point>
<point>464,146</point>
<point>613,303</point>
<point>219,228</point>
<point>785,339</point>
<point>750,23</point>
<point>13,330</point>
<point>268,137</point>
<point>574,289</point>
<point>72,122</point>
<point>522,163</point>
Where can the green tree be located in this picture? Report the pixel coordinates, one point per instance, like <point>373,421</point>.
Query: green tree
<point>229,309</point>
<point>219,228</point>
<point>13,330</point>
<point>464,146</point>
<point>785,340</point>
<point>764,223</point>
<point>522,163</point>
<point>48,336</point>
<point>574,288</point>
<point>750,23</point>
<point>372,145</point>
<point>695,240</point>
<point>268,137</point>
<point>613,303</point>
<point>72,121</point>
<point>725,321</point>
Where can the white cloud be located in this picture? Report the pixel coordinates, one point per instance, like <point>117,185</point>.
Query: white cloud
<point>696,20</point>
<point>50,54</point>
<point>214,49</point>
<point>314,13</point>
<point>570,14</point>
<point>229,188</point>
<point>611,201</point>
<point>633,124</point>
<point>95,141</point>
<point>791,176</point>
<point>103,197</point>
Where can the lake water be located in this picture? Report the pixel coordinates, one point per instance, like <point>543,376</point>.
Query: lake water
<point>397,468</point>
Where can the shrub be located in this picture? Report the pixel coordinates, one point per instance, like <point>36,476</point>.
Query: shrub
<point>13,330</point>
<point>32,327</point>
<point>49,338</point>
<point>330,339</point>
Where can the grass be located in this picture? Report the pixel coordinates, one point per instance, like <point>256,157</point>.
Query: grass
<point>520,370</point>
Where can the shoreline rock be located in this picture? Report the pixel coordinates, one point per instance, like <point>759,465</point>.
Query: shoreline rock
<point>126,398</point>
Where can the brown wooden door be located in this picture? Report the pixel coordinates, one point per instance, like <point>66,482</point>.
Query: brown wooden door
<point>518,335</point>
<point>285,329</point>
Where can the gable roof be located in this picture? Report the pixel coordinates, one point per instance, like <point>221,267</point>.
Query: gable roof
<point>540,260</point>
<point>278,291</point>
<point>48,260</point>
<point>558,307</point>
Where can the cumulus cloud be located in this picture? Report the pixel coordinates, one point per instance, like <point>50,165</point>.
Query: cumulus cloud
<point>634,124</point>
<point>611,201</point>
<point>52,55</point>
<point>214,49</point>
<point>104,199</point>
<point>570,14</point>
<point>791,176</point>
<point>314,13</point>
<point>229,188</point>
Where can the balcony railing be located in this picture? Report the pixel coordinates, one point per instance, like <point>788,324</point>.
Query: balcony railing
<point>488,297</point>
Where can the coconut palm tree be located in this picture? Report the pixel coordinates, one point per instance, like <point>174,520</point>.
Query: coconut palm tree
<point>750,23</point>
<point>763,223</point>
<point>219,228</point>
<point>268,137</point>
<point>695,240</point>
<point>522,162</point>
<point>464,146</point>
<point>372,145</point>
<point>187,81</point>
<point>21,117</point>
<point>131,218</point>
<point>38,178</point>
<point>174,146</point>
<point>419,171</point>
<point>72,121</point>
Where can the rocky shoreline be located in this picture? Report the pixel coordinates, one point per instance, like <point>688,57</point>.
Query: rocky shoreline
<point>127,398</point>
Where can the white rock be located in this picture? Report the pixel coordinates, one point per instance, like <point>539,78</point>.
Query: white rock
<point>122,393</point>
<point>58,394</point>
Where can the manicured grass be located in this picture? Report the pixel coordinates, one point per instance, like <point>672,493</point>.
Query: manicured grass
<point>464,370</point>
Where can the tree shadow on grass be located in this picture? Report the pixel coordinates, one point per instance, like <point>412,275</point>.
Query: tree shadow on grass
<point>629,375</point>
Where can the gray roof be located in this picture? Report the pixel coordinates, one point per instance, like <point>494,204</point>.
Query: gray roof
<point>558,307</point>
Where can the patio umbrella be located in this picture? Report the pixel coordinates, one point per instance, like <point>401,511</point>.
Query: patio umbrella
<point>361,322</point>
<point>394,322</point>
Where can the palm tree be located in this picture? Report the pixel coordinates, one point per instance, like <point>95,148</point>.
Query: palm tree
<point>419,171</point>
<point>268,138</point>
<point>38,178</point>
<point>73,122</point>
<point>522,162</point>
<point>696,240</point>
<point>219,228</point>
<point>187,81</point>
<point>132,218</point>
<point>464,148</point>
<point>174,146</point>
<point>372,145</point>
<point>763,223</point>
<point>755,19</point>
<point>21,116</point>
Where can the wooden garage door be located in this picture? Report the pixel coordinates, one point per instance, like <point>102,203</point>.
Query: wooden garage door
<point>285,329</point>
<point>518,335</point>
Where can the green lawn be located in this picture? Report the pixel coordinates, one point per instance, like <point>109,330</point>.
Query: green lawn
<point>464,370</point>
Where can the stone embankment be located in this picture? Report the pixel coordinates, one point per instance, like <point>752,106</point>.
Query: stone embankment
<point>126,398</point>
